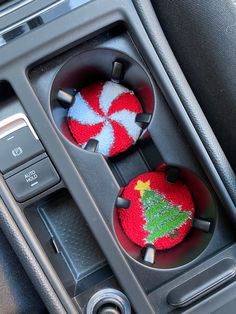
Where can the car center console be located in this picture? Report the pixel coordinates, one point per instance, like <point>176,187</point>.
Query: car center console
<point>60,201</point>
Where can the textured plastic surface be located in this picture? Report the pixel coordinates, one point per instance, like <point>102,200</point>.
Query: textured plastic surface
<point>68,242</point>
<point>75,241</point>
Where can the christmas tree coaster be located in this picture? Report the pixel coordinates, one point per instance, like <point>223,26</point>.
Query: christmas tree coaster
<point>160,212</point>
<point>105,111</point>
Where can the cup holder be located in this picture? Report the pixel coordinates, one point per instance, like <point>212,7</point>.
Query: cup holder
<point>94,66</point>
<point>101,65</point>
<point>192,245</point>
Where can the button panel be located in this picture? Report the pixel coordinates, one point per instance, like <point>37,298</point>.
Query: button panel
<point>33,180</point>
<point>17,148</point>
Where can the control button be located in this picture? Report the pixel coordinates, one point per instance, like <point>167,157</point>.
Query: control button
<point>33,180</point>
<point>17,148</point>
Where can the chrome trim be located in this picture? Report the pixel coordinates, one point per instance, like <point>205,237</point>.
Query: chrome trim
<point>39,18</point>
<point>13,7</point>
<point>9,28</point>
<point>14,123</point>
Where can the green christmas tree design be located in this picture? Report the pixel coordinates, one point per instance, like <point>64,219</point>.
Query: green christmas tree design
<point>162,218</point>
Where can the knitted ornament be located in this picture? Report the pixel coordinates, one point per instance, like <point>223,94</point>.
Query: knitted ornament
<point>105,111</point>
<point>160,212</point>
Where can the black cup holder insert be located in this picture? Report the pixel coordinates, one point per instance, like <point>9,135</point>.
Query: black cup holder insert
<point>93,66</point>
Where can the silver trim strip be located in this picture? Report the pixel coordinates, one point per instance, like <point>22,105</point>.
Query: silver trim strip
<point>13,7</point>
<point>10,28</point>
<point>38,19</point>
<point>14,123</point>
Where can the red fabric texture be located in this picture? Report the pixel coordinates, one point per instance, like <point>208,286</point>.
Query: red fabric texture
<point>126,101</point>
<point>120,145</point>
<point>133,220</point>
<point>82,133</point>
<point>91,94</point>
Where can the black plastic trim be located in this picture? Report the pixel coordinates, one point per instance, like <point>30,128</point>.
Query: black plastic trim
<point>215,162</point>
<point>205,282</point>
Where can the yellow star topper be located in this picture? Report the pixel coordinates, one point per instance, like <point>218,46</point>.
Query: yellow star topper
<point>142,186</point>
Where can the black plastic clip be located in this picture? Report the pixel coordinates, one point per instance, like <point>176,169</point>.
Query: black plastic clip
<point>122,202</point>
<point>149,254</point>
<point>66,97</point>
<point>172,174</point>
<point>143,119</point>
<point>91,145</point>
<point>201,224</point>
<point>117,72</point>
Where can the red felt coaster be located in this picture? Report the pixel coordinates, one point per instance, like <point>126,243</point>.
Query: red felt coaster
<point>105,111</point>
<point>160,212</point>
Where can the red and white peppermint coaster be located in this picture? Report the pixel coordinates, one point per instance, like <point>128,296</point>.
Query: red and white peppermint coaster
<point>105,111</point>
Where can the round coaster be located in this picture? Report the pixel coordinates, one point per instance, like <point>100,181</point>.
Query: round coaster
<point>105,111</point>
<point>160,212</point>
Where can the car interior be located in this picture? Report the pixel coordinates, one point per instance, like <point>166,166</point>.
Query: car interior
<point>117,156</point>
